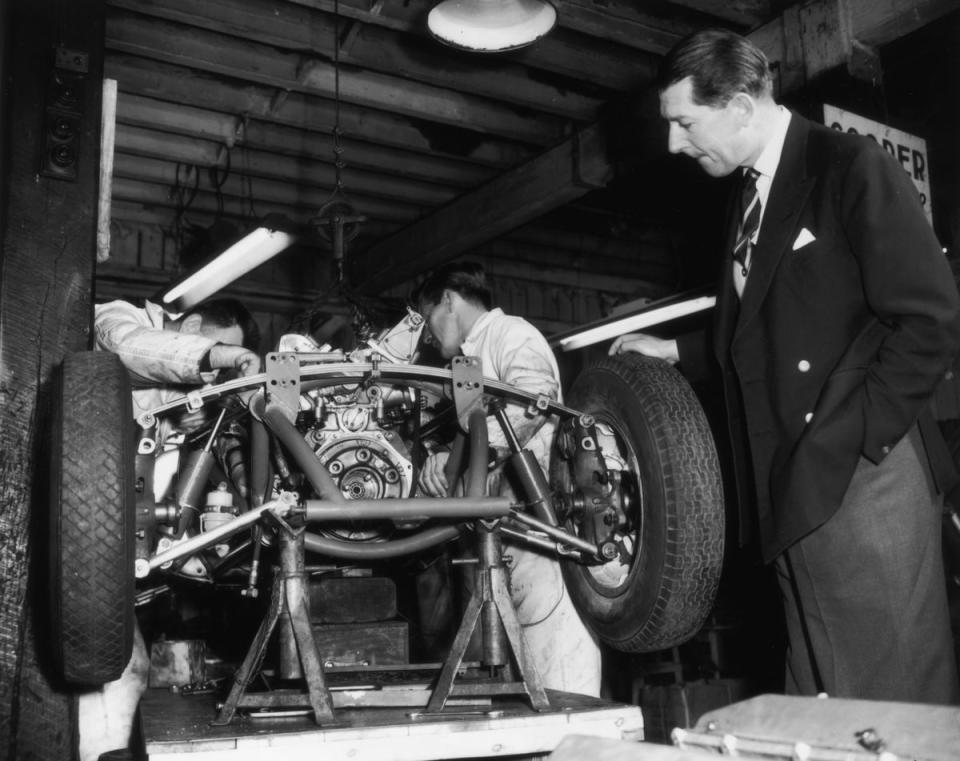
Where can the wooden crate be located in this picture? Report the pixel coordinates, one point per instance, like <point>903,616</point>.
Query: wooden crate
<point>372,644</point>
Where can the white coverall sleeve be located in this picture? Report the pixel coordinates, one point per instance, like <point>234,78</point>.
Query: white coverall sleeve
<point>151,354</point>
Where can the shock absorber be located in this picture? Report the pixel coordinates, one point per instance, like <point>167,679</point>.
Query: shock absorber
<point>193,482</point>
<point>528,471</point>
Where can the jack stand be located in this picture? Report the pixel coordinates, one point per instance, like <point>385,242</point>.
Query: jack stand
<point>299,657</point>
<point>490,602</point>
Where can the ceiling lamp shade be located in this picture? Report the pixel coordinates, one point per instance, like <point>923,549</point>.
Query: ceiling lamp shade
<point>249,252</point>
<point>490,26</point>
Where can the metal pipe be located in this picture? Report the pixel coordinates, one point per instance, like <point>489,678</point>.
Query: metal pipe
<point>260,477</point>
<point>557,533</point>
<point>534,541</point>
<point>372,551</point>
<point>408,509</point>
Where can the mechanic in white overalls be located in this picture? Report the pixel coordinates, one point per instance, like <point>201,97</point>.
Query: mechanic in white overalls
<point>165,355</point>
<point>455,302</point>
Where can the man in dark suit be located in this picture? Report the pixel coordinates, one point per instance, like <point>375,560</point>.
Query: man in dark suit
<point>836,316</point>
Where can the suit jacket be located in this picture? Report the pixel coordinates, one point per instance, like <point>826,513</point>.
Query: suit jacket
<point>835,347</point>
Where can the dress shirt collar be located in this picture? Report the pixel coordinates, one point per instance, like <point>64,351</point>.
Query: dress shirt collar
<point>766,164</point>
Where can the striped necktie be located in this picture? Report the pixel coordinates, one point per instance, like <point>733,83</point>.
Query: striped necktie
<point>750,220</point>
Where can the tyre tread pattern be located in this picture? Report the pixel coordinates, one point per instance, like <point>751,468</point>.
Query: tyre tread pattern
<point>93,521</point>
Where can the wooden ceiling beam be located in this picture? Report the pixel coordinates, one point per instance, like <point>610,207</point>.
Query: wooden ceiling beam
<point>288,26</point>
<point>745,13</point>
<point>538,260</point>
<point>227,56</point>
<point>882,21</point>
<point>624,22</point>
<point>555,274</point>
<point>808,39</point>
<point>235,132</point>
<point>179,84</point>
<point>272,192</point>
<point>580,56</point>
<point>515,197</point>
<point>253,165</point>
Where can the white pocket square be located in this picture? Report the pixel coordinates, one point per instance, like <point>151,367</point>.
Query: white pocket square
<point>803,239</point>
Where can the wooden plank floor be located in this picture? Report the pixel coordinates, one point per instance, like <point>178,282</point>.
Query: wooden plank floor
<point>177,728</point>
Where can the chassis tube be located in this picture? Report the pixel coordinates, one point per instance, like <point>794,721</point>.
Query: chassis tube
<point>557,533</point>
<point>371,551</point>
<point>319,510</point>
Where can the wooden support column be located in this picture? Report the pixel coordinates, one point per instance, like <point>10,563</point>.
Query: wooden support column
<point>52,77</point>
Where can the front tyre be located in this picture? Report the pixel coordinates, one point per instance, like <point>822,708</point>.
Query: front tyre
<point>657,443</point>
<point>92,519</point>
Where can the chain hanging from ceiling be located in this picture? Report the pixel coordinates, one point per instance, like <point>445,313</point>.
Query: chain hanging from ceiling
<point>337,220</point>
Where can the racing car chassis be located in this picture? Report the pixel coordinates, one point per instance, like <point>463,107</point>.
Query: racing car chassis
<point>632,504</point>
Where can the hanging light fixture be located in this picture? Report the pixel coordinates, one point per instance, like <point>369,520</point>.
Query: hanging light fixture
<point>491,26</point>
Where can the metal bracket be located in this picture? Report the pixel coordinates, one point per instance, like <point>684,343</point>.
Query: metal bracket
<point>283,383</point>
<point>467,377</point>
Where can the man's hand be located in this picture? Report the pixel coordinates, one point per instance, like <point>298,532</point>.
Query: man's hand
<point>228,356</point>
<point>433,478</point>
<point>641,343</point>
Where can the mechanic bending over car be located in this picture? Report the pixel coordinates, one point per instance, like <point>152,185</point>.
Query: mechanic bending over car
<point>455,303</point>
<point>164,354</point>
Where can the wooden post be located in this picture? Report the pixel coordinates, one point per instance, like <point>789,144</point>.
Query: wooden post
<point>50,135</point>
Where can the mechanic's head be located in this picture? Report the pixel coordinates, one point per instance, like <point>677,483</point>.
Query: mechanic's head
<point>223,320</point>
<point>451,298</point>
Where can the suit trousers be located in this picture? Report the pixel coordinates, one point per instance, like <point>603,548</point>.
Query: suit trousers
<point>865,593</point>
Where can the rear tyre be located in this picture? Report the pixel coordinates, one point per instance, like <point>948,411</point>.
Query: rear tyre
<point>652,429</point>
<point>92,521</point>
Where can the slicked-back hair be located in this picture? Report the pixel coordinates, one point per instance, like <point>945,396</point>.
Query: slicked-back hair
<point>225,313</point>
<point>720,64</point>
<point>466,278</point>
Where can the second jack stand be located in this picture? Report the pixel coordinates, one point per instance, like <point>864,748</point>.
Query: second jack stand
<point>492,605</point>
<point>299,656</point>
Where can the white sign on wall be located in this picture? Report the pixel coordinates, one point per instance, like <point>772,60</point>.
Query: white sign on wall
<point>908,150</point>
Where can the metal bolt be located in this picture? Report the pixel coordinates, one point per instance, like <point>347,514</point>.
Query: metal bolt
<point>870,740</point>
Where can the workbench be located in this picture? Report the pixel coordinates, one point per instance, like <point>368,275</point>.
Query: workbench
<point>177,727</point>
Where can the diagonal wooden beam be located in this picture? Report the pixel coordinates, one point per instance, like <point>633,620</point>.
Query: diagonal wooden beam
<point>552,179</point>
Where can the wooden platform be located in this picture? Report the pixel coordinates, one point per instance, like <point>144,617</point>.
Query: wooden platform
<point>179,727</point>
